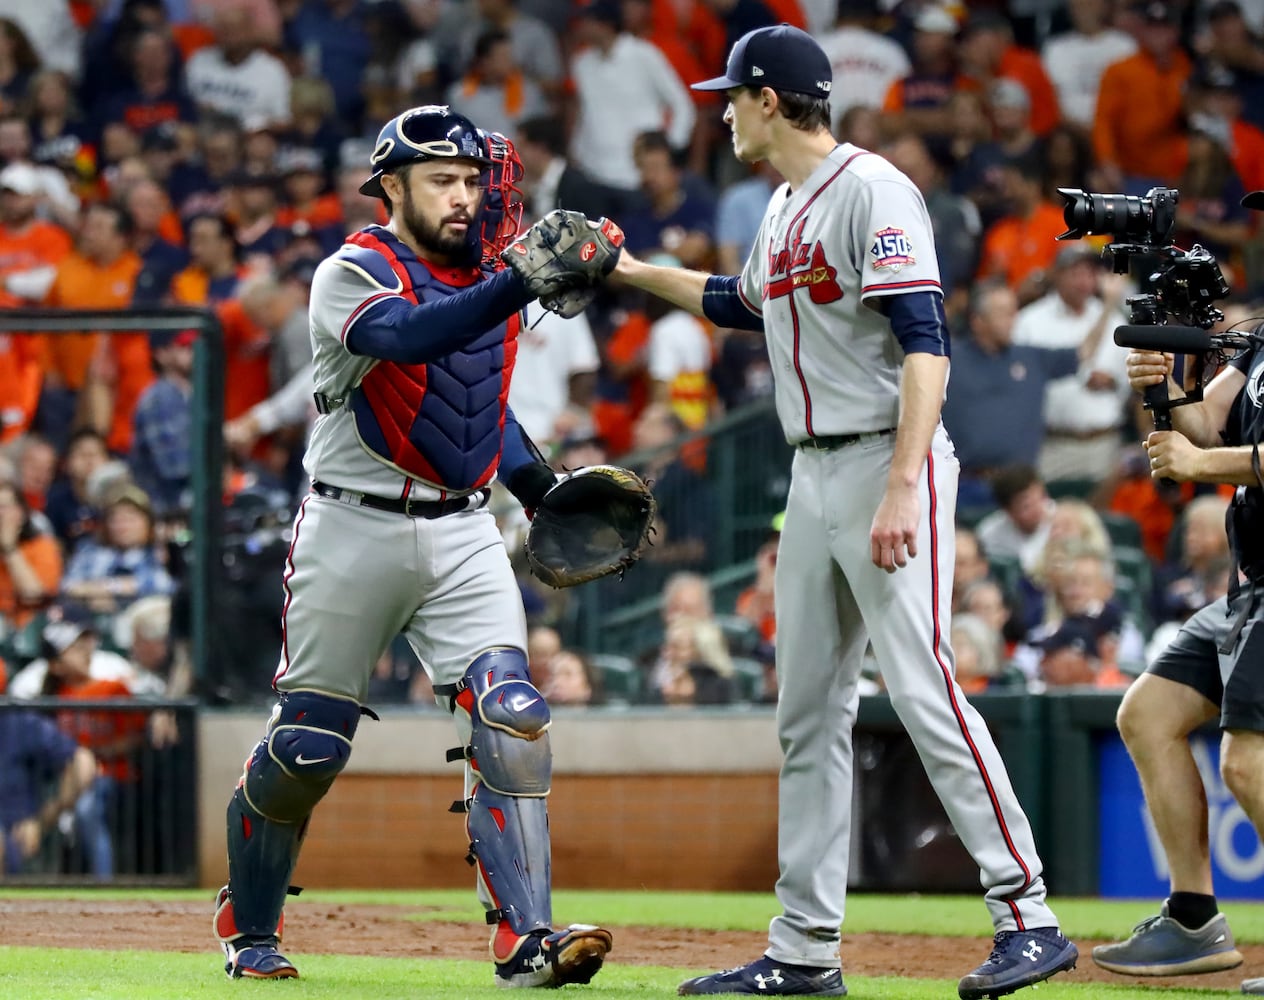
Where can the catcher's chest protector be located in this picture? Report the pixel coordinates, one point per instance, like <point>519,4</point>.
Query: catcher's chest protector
<point>440,422</point>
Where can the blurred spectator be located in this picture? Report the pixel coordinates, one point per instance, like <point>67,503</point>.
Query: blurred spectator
<point>1010,107</point>
<point>755,603</point>
<point>107,371</point>
<point>550,181</point>
<point>30,562</point>
<point>986,600</point>
<point>18,64</point>
<point>738,215</point>
<point>1020,528</point>
<point>1138,142</point>
<point>1210,210</point>
<point>495,92</point>
<point>161,260</point>
<point>679,217</point>
<point>988,55</point>
<point>21,377</point>
<point>623,336</point>
<point>72,625</point>
<point>235,76</point>
<point>214,273</point>
<point>866,62</point>
<point>742,372</point>
<point>1021,247</point>
<point>977,649</point>
<point>124,562</point>
<point>30,247</point>
<point>1068,155</point>
<point>919,100</point>
<point>1083,413</point>
<point>61,137</point>
<point>1232,43</point>
<point>693,666</point>
<point>623,86</point>
<point>332,42</point>
<point>51,30</point>
<point>970,565</point>
<point>1204,566</point>
<point>198,188</point>
<point>533,45</point>
<point>686,505</point>
<point>572,680</point>
<point>1083,652</point>
<point>954,219</point>
<point>554,375</point>
<point>54,198</point>
<point>313,124</point>
<point>43,772</point>
<point>1215,101</point>
<point>1131,491</point>
<point>994,408</point>
<point>161,666</point>
<point>680,357</point>
<point>863,126</point>
<point>156,95</point>
<point>252,205</point>
<point>417,66</point>
<point>36,469</point>
<point>69,507</point>
<point>358,210</point>
<point>307,206</point>
<point>1076,59</point>
<point>543,643</point>
<point>161,459</point>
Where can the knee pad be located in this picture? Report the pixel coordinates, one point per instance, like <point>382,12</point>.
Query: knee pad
<point>307,744</point>
<point>509,742</point>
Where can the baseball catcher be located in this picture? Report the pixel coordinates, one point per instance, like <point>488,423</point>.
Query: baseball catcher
<point>593,522</point>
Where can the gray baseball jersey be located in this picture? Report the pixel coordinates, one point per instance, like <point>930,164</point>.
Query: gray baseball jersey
<point>856,230</point>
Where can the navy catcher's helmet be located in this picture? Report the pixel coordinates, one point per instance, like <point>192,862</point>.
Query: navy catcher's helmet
<point>433,131</point>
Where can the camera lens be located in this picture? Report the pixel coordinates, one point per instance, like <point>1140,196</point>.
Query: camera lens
<point>1118,215</point>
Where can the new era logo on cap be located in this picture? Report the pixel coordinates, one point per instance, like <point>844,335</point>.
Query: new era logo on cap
<point>781,57</point>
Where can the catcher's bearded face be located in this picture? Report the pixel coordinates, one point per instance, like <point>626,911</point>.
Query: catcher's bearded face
<point>437,202</point>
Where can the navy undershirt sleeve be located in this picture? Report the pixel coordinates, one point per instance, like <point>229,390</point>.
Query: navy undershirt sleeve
<point>515,452</point>
<point>393,329</point>
<point>724,306</point>
<point>918,322</point>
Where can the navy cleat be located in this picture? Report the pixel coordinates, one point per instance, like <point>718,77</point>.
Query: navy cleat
<point>572,955</point>
<point>1018,959</point>
<point>769,978</point>
<point>257,958</point>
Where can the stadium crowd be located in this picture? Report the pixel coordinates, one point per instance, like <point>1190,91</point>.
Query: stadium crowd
<point>208,153</point>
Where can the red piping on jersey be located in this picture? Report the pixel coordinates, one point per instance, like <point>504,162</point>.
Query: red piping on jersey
<point>289,595</point>
<point>794,313</point>
<point>952,694</point>
<point>747,302</point>
<point>408,485</point>
<point>901,285</point>
<point>359,311</point>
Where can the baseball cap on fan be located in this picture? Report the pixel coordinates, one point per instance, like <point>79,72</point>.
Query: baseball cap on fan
<point>781,57</point>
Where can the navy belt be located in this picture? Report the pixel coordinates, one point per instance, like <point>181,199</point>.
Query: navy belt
<point>828,442</point>
<point>429,509</point>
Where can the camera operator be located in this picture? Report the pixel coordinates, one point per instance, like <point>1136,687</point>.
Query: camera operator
<point>1209,670</point>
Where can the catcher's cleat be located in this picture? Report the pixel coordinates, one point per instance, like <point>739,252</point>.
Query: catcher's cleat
<point>572,955</point>
<point>1018,959</point>
<point>1160,946</point>
<point>768,977</point>
<point>257,958</point>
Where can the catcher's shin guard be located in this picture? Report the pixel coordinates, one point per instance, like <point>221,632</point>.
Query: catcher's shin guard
<point>307,744</point>
<point>512,765</point>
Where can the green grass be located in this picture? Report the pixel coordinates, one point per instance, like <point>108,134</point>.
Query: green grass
<point>64,974</point>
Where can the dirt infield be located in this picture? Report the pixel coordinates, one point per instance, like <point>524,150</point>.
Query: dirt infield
<point>387,931</point>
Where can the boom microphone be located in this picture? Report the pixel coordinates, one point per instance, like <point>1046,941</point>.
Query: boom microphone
<point>1170,339</point>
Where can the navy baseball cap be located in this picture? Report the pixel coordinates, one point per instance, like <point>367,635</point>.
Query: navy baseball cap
<point>781,57</point>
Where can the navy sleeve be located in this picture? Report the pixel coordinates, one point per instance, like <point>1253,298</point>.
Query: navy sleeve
<point>1061,361</point>
<point>723,305</point>
<point>522,468</point>
<point>393,329</point>
<point>918,322</point>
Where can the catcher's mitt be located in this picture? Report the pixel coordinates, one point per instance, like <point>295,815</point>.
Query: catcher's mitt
<point>564,251</point>
<point>594,522</point>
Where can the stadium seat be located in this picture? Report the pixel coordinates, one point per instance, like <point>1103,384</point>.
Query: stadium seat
<point>1123,530</point>
<point>620,677</point>
<point>748,678</point>
<point>741,634</point>
<point>1073,489</point>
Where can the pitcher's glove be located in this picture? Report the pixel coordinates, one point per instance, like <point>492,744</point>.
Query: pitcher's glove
<point>564,252</point>
<point>594,522</point>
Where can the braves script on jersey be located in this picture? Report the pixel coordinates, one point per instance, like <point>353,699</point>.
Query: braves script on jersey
<point>836,361</point>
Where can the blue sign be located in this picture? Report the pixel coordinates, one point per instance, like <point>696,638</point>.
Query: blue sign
<point>1132,862</point>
